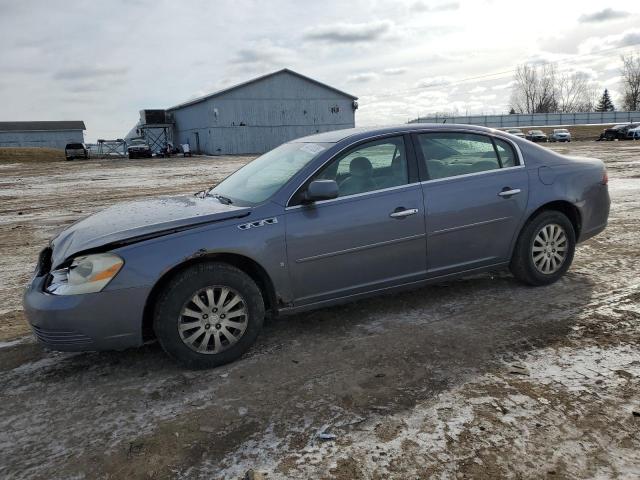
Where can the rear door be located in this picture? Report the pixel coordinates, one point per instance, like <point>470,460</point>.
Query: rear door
<point>372,236</point>
<point>475,196</point>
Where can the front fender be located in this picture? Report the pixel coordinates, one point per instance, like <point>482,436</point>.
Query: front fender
<point>148,261</point>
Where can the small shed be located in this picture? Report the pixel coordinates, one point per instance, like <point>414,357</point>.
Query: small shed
<point>260,114</point>
<point>50,134</point>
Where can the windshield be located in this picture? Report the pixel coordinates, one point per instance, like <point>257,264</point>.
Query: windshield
<point>260,179</point>
<point>561,130</point>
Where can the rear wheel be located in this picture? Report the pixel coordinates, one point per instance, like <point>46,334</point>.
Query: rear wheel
<point>544,251</point>
<point>209,315</point>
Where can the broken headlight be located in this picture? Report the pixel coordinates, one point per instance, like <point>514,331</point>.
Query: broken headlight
<point>85,274</point>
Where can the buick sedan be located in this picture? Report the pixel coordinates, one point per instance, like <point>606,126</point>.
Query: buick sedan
<point>321,220</point>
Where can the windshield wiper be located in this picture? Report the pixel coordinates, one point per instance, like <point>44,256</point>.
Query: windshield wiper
<point>222,198</point>
<point>207,193</point>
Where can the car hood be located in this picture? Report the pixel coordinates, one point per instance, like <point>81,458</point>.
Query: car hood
<point>142,219</point>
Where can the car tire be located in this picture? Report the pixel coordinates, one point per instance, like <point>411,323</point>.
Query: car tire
<point>527,264</point>
<point>177,332</point>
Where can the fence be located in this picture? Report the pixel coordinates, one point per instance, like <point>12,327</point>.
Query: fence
<point>536,119</point>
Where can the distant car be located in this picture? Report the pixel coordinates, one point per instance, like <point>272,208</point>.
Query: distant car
<point>560,135</point>
<point>139,149</point>
<point>515,131</point>
<point>317,221</point>
<point>618,132</point>
<point>633,133</point>
<point>536,136</point>
<point>76,150</point>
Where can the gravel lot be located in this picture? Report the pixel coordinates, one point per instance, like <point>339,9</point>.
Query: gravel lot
<point>477,378</point>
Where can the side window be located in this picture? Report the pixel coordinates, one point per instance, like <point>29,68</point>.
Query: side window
<point>506,152</point>
<point>370,166</point>
<point>451,154</point>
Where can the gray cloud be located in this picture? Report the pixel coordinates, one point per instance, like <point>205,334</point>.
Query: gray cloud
<point>362,77</point>
<point>395,71</point>
<point>23,69</point>
<point>262,52</point>
<point>422,6</point>
<point>629,39</point>
<point>433,82</point>
<point>349,32</point>
<point>90,73</point>
<point>602,16</point>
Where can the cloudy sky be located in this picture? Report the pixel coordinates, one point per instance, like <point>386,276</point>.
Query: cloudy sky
<point>102,61</point>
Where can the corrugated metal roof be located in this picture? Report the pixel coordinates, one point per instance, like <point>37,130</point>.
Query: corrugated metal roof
<point>44,125</point>
<point>257,79</point>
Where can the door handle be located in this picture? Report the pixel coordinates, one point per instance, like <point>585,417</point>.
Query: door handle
<point>403,213</point>
<point>509,192</point>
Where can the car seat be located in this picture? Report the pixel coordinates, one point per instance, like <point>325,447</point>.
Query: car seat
<point>360,177</point>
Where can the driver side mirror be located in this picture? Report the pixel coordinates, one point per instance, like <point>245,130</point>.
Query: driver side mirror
<point>321,190</point>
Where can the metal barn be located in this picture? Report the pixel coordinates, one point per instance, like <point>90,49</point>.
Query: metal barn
<point>54,134</point>
<point>258,115</point>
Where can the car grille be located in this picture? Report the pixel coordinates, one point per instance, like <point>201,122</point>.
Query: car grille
<point>44,261</point>
<point>60,337</point>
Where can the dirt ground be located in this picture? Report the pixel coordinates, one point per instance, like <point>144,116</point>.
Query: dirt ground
<point>477,378</point>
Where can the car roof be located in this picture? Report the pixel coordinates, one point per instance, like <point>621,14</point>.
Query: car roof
<point>365,132</point>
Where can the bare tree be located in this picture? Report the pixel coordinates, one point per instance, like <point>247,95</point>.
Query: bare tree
<point>574,93</point>
<point>541,90</point>
<point>631,81</point>
<point>590,99</point>
<point>524,91</point>
<point>534,89</point>
<point>547,101</point>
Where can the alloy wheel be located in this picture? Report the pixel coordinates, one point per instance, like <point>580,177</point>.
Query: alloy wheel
<point>549,250</point>
<point>213,319</point>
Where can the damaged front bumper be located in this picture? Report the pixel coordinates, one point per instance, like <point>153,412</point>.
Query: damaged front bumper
<point>107,320</point>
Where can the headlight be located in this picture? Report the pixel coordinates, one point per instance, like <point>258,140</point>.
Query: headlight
<point>86,274</point>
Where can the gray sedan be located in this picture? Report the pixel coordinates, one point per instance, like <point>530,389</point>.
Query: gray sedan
<point>318,221</point>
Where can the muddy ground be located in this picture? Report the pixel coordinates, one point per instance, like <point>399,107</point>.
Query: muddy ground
<point>477,378</point>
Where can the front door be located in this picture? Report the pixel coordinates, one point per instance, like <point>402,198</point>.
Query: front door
<point>475,198</point>
<point>370,237</point>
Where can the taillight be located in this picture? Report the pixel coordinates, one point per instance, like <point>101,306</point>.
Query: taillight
<point>605,177</point>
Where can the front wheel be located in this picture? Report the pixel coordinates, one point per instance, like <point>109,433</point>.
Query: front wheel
<point>208,315</point>
<point>544,250</point>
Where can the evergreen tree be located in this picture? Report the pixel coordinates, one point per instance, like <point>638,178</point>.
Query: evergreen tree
<point>605,104</point>
<point>512,111</point>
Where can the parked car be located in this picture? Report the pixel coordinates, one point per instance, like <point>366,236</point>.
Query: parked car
<point>515,131</point>
<point>76,150</point>
<point>139,148</point>
<point>318,221</point>
<point>618,132</point>
<point>633,133</point>
<point>560,135</point>
<point>536,136</point>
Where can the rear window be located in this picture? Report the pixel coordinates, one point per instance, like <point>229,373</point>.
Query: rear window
<point>74,146</point>
<point>506,153</point>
